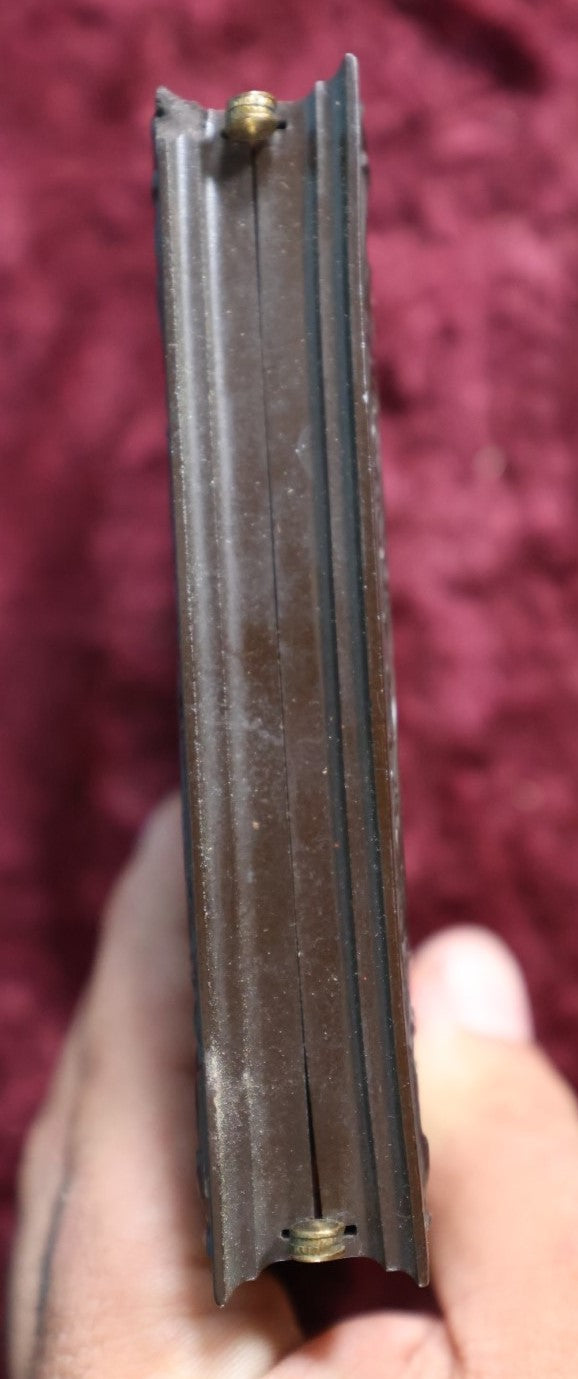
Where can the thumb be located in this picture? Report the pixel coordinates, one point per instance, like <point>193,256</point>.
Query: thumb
<point>466,978</point>
<point>503,1135</point>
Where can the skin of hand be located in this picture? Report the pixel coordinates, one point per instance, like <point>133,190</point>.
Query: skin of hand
<point>109,1274</point>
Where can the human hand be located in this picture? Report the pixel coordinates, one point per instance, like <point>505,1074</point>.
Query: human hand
<point>109,1274</point>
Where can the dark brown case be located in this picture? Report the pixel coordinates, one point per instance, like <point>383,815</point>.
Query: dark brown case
<point>308,1109</point>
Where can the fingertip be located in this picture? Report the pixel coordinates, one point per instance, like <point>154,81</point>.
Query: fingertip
<point>147,901</point>
<point>467,977</point>
<point>162,828</point>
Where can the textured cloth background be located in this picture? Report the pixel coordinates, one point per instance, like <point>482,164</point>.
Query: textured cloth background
<point>471,114</point>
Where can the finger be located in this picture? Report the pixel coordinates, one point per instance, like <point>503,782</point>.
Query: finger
<point>130,1289</point>
<point>381,1346</point>
<point>40,1197</point>
<point>503,1135</point>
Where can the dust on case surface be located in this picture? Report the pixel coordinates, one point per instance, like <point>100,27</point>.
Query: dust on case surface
<point>308,1115</point>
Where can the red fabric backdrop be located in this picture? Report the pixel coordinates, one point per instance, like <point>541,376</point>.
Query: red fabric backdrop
<point>471,116</point>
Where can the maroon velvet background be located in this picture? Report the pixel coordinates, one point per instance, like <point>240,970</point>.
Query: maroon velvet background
<point>471,114</point>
